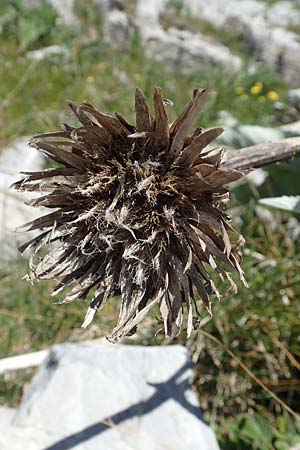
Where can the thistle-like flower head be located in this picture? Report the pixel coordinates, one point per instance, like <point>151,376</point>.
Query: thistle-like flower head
<point>136,213</point>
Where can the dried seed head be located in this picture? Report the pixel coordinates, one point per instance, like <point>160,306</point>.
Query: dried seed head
<point>136,213</point>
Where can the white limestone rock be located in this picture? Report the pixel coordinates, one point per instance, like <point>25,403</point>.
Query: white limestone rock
<point>102,396</point>
<point>265,29</point>
<point>291,129</point>
<point>6,417</point>
<point>52,52</point>
<point>218,12</point>
<point>118,29</point>
<point>284,14</point>
<point>13,213</point>
<point>179,49</point>
<point>294,97</point>
<point>190,53</point>
<point>280,50</point>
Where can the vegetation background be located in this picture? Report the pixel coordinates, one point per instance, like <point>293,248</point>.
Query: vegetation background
<point>258,328</point>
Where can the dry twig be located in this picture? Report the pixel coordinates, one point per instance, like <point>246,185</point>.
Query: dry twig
<point>262,154</point>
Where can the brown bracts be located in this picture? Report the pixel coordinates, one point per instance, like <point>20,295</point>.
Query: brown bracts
<point>135,213</point>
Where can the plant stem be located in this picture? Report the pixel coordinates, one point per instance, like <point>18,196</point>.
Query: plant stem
<point>262,154</point>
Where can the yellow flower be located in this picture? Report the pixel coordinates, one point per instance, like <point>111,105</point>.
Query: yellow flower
<point>239,90</point>
<point>256,88</point>
<point>273,95</point>
<point>261,98</point>
<point>244,97</point>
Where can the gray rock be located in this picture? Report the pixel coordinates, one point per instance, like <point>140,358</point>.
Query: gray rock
<point>13,212</point>
<point>218,12</point>
<point>283,14</point>
<point>53,52</point>
<point>148,13</point>
<point>280,50</point>
<point>294,97</point>
<point>10,434</point>
<point>262,27</point>
<point>101,396</point>
<point>265,28</point>
<point>291,129</point>
<point>280,14</point>
<point>6,416</point>
<point>65,11</point>
<point>226,119</point>
<point>178,49</point>
<point>190,53</point>
<point>118,29</point>
<point>20,438</point>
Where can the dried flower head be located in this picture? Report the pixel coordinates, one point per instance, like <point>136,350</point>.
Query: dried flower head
<point>136,213</point>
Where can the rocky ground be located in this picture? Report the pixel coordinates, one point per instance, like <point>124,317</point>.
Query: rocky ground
<point>171,31</point>
<point>99,50</point>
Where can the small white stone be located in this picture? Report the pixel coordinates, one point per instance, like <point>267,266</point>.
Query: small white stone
<point>53,51</point>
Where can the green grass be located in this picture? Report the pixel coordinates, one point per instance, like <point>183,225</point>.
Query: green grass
<point>260,325</point>
<point>33,94</point>
<point>30,318</point>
